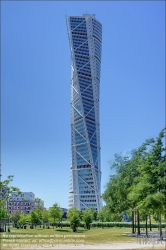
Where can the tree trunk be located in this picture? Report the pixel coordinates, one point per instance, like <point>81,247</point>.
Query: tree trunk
<point>150,224</point>
<point>146,226</point>
<point>133,231</point>
<point>138,222</point>
<point>135,215</point>
<point>160,228</point>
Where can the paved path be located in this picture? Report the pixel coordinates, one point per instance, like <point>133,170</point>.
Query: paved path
<point>120,246</point>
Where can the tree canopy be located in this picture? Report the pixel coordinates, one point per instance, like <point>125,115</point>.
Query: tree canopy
<point>140,181</point>
<point>55,213</point>
<point>73,216</point>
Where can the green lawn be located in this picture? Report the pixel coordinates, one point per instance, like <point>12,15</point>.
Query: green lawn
<point>39,237</point>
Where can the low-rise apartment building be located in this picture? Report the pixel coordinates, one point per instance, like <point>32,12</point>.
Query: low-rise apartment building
<point>24,202</point>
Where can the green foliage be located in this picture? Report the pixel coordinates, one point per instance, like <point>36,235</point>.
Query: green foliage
<point>39,213</point>
<point>3,213</point>
<point>101,215</point>
<point>39,209</point>
<point>104,214</point>
<point>22,220</point>
<point>15,216</point>
<point>6,191</point>
<point>123,224</point>
<point>74,222</point>
<point>34,218</point>
<point>118,186</point>
<point>88,216</point>
<point>149,192</point>
<point>140,181</point>
<point>55,213</point>
<point>38,203</point>
<point>95,215</point>
<point>45,216</point>
<point>73,216</point>
<point>81,215</point>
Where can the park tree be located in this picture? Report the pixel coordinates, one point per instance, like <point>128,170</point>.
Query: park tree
<point>150,189</point>
<point>6,190</point>
<point>95,215</point>
<point>3,213</point>
<point>15,216</point>
<point>38,204</point>
<point>34,218</point>
<point>126,177</point>
<point>115,194</point>
<point>4,218</point>
<point>22,220</point>
<point>116,191</point>
<point>101,216</point>
<point>39,213</point>
<point>39,208</point>
<point>73,215</point>
<point>81,215</point>
<point>88,217</point>
<point>45,217</point>
<point>104,214</point>
<point>55,213</point>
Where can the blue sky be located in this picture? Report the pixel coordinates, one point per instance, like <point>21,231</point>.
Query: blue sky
<point>35,86</point>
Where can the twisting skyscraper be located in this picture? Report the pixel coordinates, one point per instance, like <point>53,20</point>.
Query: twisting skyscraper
<point>85,38</point>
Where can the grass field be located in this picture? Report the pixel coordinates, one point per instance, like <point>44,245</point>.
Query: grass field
<point>21,238</point>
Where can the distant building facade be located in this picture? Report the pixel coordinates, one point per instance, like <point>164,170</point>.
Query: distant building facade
<point>24,202</point>
<point>64,210</point>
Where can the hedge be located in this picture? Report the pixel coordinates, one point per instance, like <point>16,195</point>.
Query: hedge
<point>124,224</point>
<point>114,224</point>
